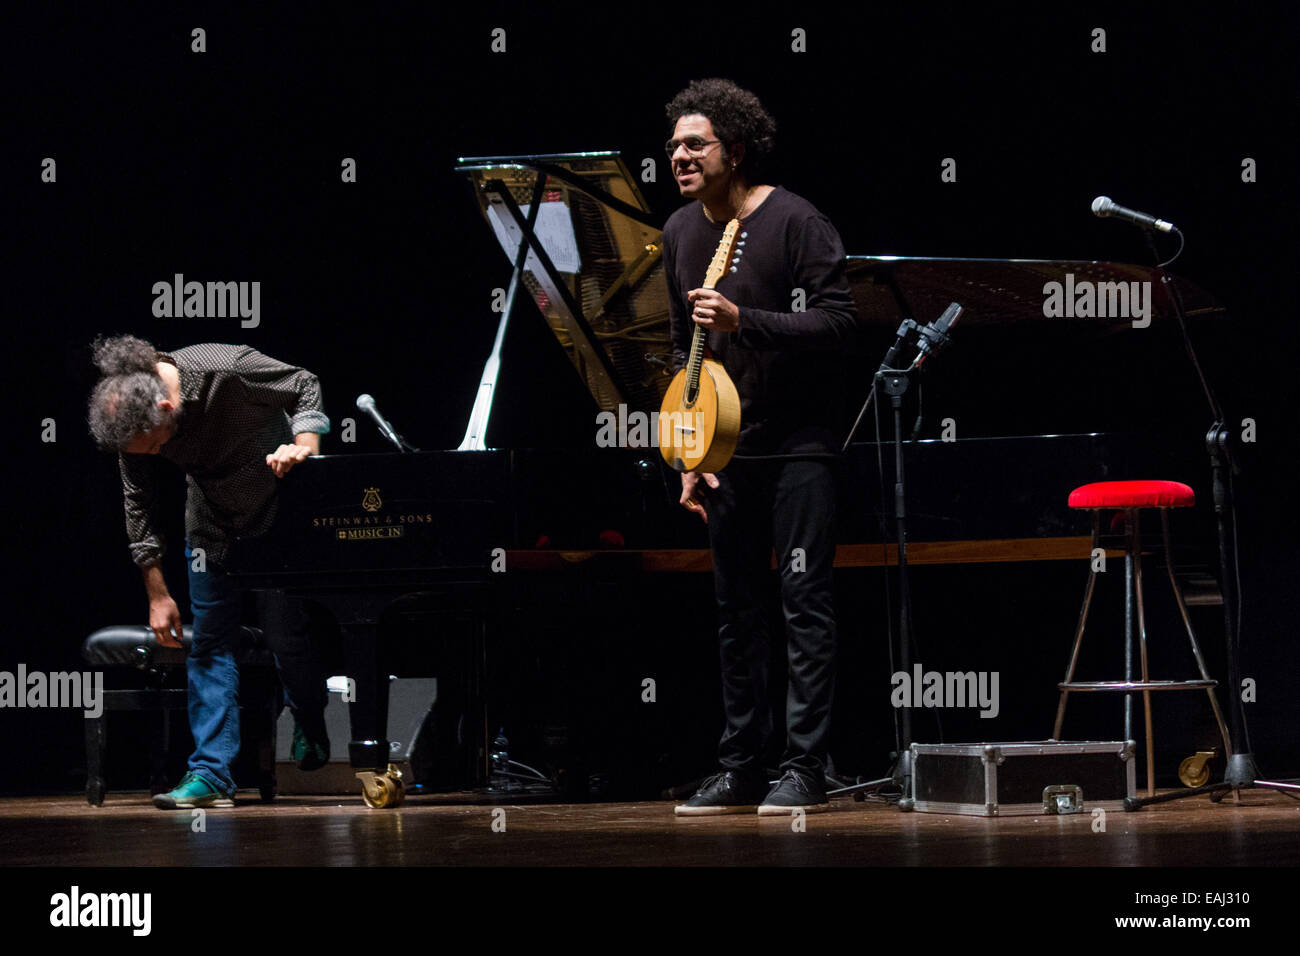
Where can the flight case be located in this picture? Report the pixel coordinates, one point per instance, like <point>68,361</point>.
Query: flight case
<point>1022,778</point>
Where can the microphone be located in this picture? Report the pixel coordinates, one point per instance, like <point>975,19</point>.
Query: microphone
<point>934,337</point>
<point>367,405</point>
<point>1104,206</point>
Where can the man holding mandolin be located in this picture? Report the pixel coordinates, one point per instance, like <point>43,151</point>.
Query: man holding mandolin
<point>776,323</point>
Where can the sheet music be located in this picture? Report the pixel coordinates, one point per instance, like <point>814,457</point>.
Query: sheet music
<point>555,230</point>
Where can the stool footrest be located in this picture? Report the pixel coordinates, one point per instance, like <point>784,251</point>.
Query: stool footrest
<point>1132,685</point>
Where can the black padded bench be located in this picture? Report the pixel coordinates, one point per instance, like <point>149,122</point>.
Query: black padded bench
<point>134,646</point>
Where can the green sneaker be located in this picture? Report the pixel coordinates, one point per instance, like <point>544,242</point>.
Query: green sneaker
<point>309,754</point>
<point>192,791</point>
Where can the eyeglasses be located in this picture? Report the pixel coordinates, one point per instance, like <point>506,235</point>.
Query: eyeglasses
<point>695,146</point>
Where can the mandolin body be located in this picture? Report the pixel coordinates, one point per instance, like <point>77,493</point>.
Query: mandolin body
<point>700,436</point>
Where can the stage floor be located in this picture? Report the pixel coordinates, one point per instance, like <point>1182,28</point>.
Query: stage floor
<point>458,830</point>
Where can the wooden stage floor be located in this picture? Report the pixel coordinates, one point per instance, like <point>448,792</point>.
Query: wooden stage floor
<point>457,830</point>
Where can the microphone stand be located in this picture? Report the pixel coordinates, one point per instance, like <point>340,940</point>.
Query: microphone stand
<point>404,445</point>
<point>387,431</point>
<point>398,441</point>
<point>896,383</point>
<point>1241,772</point>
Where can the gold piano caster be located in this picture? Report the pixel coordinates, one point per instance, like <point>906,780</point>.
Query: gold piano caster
<point>382,791</point>
<point>1195,770</point>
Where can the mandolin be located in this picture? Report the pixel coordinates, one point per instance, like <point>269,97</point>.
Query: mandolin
<point>699,419</point>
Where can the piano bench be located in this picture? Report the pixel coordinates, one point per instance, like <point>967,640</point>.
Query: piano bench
<point>135,647</point>
<point>1128,499</point>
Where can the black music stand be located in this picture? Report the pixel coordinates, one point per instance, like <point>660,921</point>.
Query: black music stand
<point>931,339</point>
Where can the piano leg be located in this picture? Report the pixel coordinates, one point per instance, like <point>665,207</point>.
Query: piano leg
<point>368,750</point>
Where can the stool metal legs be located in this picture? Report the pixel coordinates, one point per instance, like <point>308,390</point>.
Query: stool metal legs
<point>1191,636</point>
<point>1078,631</point>
<point>1146,685</point>
<point>1134,546</point>
<point>1128,642</point>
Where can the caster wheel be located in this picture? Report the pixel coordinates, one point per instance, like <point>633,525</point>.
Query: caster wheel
<point>1195,770</point>
<point>387,792</point>
<point>377,795</point>
<point>382,790</point>
<point>95,791</point>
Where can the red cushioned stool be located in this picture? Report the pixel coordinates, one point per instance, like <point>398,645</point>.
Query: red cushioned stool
<point>1130,497</point>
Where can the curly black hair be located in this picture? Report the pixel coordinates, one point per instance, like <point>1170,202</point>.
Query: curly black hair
<point>124,403</point>
<point>737,117</point>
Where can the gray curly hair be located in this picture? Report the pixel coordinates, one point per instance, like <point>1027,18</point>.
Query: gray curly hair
<point>124,402</point>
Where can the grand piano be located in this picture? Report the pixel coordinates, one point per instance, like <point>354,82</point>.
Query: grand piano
<point>1023,409</point>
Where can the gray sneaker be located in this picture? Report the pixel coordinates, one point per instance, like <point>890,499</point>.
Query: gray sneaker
<point>732,791</point>
<point>793,791</point>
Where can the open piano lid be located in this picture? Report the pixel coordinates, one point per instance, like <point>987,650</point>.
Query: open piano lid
<point>603,296</point>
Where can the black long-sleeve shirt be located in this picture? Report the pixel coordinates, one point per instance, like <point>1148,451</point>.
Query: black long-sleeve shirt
<point>787,365</point>
<point>237,406</point>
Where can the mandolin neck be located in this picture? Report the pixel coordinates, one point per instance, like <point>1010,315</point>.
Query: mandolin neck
<point>717,269</point>
<point>695,362</point>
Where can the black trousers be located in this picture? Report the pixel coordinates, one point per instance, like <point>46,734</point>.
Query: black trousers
<point>789,506</point>
<point>288,631</point>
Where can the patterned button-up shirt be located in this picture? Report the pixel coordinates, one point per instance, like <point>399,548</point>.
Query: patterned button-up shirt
<point>237,406</point>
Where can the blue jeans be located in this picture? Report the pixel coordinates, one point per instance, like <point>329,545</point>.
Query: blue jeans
<point>214,677</point>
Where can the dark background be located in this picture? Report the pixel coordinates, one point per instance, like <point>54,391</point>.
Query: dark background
<point>225,166</point>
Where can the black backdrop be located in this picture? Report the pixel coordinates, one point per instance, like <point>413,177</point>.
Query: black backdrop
<point>225,165</point>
